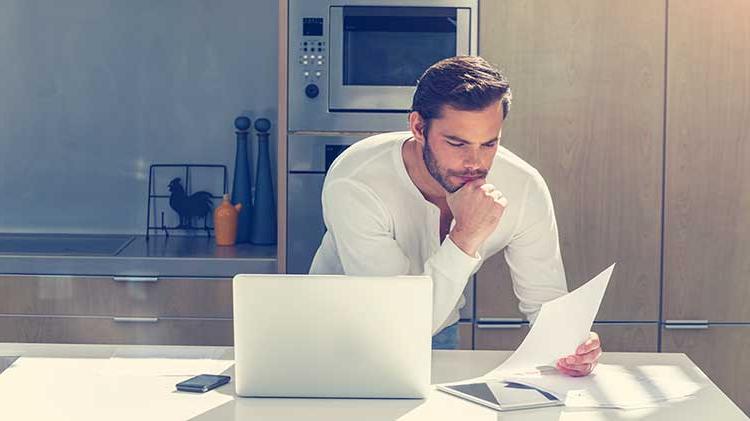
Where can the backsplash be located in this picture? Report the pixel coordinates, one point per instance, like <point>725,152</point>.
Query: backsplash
<point>93,92</point>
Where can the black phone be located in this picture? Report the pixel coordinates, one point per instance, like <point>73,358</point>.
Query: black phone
<point>203,383</point>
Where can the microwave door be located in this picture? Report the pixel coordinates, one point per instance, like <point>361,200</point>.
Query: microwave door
<point>375,62</point>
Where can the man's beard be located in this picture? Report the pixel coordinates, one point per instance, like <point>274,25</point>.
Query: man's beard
<point>441,175</point>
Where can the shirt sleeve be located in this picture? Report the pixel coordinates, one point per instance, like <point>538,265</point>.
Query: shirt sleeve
<point>533,254</point>
<point>362,230</point>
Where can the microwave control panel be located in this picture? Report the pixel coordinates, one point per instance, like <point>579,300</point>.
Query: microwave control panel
<point>312,54</point>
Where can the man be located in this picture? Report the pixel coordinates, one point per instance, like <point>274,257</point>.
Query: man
<point>440,199</point>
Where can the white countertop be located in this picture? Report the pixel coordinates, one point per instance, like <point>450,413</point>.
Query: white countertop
<point>74,386</point>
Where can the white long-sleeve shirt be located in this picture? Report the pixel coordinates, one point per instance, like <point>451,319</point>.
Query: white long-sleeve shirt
<point>378,223</point>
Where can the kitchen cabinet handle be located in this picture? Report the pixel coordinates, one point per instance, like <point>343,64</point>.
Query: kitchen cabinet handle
<point>515,320</point>
<point>135,319</point>
<point>135,278</point>
<point>686,324</point>
<point>499,326</point>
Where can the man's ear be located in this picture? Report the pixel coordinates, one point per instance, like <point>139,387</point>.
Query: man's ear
<point>416,124</point>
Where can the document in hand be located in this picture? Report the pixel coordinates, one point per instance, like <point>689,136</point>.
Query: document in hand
<point>561,326</point>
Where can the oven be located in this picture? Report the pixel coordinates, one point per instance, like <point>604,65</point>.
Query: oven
<point>352,70</point>
<point>354,64</point>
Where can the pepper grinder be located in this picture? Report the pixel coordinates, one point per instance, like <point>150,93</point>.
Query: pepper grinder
<point>241,186</point>
<point>263,220</point>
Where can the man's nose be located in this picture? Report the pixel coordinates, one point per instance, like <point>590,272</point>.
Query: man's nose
<point>472,161</point>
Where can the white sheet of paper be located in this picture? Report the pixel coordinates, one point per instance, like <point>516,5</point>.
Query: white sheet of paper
<point>561,326</point>
<point>615,386</point>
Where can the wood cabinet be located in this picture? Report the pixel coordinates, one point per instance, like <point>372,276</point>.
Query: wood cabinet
<point>465,336</point>
<point>499,337</point>
<point>707,206</point>
<point>721,352</point>
<point>631,337</point>
<point>116,296</point>
<point>116,330</point>
<point>707,220</point>
<point>588,109</point>
<point>139,310</point>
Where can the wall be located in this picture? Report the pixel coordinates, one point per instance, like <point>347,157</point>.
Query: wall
<point>92,92</point>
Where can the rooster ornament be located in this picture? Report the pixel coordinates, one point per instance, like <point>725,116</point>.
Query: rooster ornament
<point>198,204</point>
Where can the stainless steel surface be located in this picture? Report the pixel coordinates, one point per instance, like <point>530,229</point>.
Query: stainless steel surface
<point>307,153</point>
<point>500,320</point>
<point>500,323</point>
<point>686,324</point>
<point>305,220</point>
<point>63,244</point>
<point>328,113</point>
<point>160,256</point>
<point>376,98</point>
<point>307,167</point>
<point>499,326</point>
<point>135,278</point>
<point>135,319</point>
<point>306,114</point>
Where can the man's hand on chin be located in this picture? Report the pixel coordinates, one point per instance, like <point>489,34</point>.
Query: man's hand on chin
<point>585,359</point>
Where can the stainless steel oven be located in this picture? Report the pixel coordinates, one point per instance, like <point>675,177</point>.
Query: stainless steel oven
<point>354,64</point>
<point>352,71</point>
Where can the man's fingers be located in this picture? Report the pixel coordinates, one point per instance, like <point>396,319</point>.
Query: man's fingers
<point>591,344</point>
<point>571,372</point>
<point>496,195</point>
<point>588,357</point>
<point>486,187</point>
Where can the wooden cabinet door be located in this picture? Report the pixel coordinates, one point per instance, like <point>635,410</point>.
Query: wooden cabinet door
<point>707,220</point>
<point>588,107</point>
<point>721,352</point>
<point>109,330</point>
<point>115,296</point>
<point>499,337</point>
<point>632,337</point>
<point>465,336</point>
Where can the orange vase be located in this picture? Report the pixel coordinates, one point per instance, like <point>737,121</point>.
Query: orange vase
<point>225,222</point>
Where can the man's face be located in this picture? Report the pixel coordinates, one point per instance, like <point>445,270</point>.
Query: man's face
<point>461,145</point>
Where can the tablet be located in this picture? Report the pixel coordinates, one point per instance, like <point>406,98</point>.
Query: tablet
<point>503,396</point>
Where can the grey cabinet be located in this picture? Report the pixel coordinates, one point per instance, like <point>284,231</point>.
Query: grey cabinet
<point>116,330</point>
<point>139,310</point>
<point>588,113</point>
<point>707,229</point>
<point>615,337</point>
<point>720,351</point>
<point>304,220</point>
<point>707,223</point>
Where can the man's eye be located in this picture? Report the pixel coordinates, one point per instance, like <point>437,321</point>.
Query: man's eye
<point>458,145</point>
<point>490,145</point>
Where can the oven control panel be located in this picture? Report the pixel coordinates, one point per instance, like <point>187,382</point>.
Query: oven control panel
<point>312,55</point>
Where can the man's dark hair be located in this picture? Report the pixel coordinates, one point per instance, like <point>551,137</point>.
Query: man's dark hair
<point>466,83</point>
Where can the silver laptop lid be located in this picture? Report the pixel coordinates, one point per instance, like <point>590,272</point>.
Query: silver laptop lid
<point>332,336</point>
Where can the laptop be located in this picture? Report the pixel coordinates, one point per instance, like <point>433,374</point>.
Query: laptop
<point>332,336</point>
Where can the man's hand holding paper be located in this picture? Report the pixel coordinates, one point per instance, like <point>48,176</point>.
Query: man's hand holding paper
<point>584,360</point>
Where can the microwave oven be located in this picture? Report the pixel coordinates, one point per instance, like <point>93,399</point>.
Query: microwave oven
<point>353,64</point>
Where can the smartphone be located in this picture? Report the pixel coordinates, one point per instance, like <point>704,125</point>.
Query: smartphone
<point>202,383</point>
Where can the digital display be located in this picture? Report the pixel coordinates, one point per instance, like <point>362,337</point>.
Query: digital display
<point>312,27</point>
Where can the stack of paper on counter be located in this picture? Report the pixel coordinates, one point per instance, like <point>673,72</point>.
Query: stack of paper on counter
<point>561,326</point>
<point>615,386</point>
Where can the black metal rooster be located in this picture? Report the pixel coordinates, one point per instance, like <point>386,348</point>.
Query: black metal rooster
<point>198,204</point>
